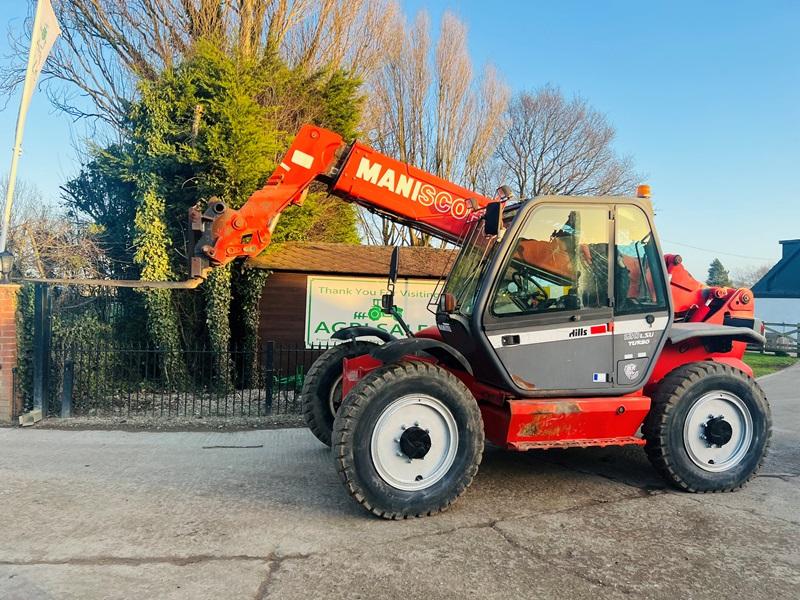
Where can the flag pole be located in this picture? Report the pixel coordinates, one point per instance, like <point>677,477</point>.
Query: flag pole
<point>12,181</point>
<point>45,32</point>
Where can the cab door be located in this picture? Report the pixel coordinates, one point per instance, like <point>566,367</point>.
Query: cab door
<point>548,318</point>
<point>642,312</point>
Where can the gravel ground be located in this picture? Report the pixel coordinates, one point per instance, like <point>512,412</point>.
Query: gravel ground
<point>262,514</point>
<point>148,423</point>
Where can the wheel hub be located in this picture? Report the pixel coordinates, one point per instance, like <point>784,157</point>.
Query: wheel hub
<point>415,442</point>
<point>718,431</point>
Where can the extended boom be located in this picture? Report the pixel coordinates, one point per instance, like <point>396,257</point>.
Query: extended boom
<point>355,173</point>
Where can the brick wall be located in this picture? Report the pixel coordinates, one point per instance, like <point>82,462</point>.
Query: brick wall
<point>8,349</point>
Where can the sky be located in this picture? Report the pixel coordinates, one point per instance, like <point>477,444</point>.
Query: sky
<point>705,97</point>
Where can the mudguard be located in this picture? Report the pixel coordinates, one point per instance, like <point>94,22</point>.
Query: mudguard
<point>444,353</point>
<point>680,332</point>
<point>357,331</point>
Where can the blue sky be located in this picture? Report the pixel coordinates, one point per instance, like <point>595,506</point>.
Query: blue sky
<point>705,97</point>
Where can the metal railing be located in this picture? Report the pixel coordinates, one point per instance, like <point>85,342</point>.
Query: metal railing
<point>782,337</point>
<point>115,380</point>
<point>122,380</point>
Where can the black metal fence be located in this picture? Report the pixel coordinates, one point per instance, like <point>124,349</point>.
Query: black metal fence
<point>117,380</point>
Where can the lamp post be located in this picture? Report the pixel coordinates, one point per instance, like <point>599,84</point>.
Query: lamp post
<point>6,265</point>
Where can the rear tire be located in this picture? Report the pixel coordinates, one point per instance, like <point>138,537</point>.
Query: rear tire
<point>322,393</point>
<point>708,428</point>
<point>408,440</point>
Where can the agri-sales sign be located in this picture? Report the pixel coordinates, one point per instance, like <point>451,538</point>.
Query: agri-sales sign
<point>333,303</point>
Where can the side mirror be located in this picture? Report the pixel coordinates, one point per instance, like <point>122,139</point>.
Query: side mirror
<point>387,300</point>
<point>387,303</point>
<point>493,218</point>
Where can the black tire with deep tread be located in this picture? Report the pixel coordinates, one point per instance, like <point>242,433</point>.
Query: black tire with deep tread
<point>663,427</point>
<point>352,432</point>
<point>317,384</point>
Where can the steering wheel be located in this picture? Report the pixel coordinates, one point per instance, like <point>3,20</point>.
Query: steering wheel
<point>525,300</point>
<point>518,279</point>
<point>513,292</point>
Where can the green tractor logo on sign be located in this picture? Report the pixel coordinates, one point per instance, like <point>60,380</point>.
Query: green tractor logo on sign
<point>375,313</point>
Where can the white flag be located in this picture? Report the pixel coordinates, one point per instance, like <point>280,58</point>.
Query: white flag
<point>45,32</point>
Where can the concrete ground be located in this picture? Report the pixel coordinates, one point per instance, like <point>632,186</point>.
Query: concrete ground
<point>262,514</point>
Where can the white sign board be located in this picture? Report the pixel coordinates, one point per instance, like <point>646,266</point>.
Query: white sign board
<point>333,303</point>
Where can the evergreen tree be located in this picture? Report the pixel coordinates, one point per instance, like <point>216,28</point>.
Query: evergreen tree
<point>215,125</point>
<point>718,275</point>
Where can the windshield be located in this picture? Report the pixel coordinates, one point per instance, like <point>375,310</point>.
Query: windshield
<point>467,272</point>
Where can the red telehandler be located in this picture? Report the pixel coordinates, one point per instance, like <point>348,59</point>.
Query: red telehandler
<point>561,324</point>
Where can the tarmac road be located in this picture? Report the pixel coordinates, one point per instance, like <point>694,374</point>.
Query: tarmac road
<point>262,514</point>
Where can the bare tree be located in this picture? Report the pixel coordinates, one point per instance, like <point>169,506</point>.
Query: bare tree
<point>46,243</point>
<point>559,146</point>
<point>747,277</point>
<point>107,46</point>
<point>426,107</point>
<point>342,33</point>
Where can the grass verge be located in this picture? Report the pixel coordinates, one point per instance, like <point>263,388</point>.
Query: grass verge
<point>764,364</point>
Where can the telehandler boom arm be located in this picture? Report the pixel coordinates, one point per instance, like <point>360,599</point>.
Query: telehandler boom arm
<point>355,173</point>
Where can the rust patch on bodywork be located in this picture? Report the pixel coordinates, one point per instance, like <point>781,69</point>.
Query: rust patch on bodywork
<point>529,429</point>
<point>526,385</point>
<point>548,420</point>
<point>545,425</point>
<point>557,408</point>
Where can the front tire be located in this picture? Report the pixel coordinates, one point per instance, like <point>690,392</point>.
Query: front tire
<point>322,387</point>
<point>708,428</point>
<point>408,440</point>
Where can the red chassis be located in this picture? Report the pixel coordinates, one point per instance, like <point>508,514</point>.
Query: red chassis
<point>526,424</point>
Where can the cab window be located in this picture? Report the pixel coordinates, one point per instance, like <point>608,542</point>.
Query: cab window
<point>559,263</point>
<point>467,273</point>
<point>639,281</point>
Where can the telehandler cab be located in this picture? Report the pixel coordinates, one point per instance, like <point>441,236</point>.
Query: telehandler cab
<point>561,324</point>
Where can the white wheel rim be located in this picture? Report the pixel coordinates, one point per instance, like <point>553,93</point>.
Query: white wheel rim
<point>711,457</point>
<point>332,395</point>
<point>397,469</point>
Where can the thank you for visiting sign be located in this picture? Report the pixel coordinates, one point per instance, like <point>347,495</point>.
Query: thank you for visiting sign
<point>333,303</point>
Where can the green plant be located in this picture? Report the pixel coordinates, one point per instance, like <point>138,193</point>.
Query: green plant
<point>250,284</point>
<point>152,254</point>
<point>215,124</point>
<point>217,290</point>
<point>24,375</point>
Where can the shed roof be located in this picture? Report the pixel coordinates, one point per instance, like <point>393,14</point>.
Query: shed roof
<point>782,280</point>
<point>349,259</point>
